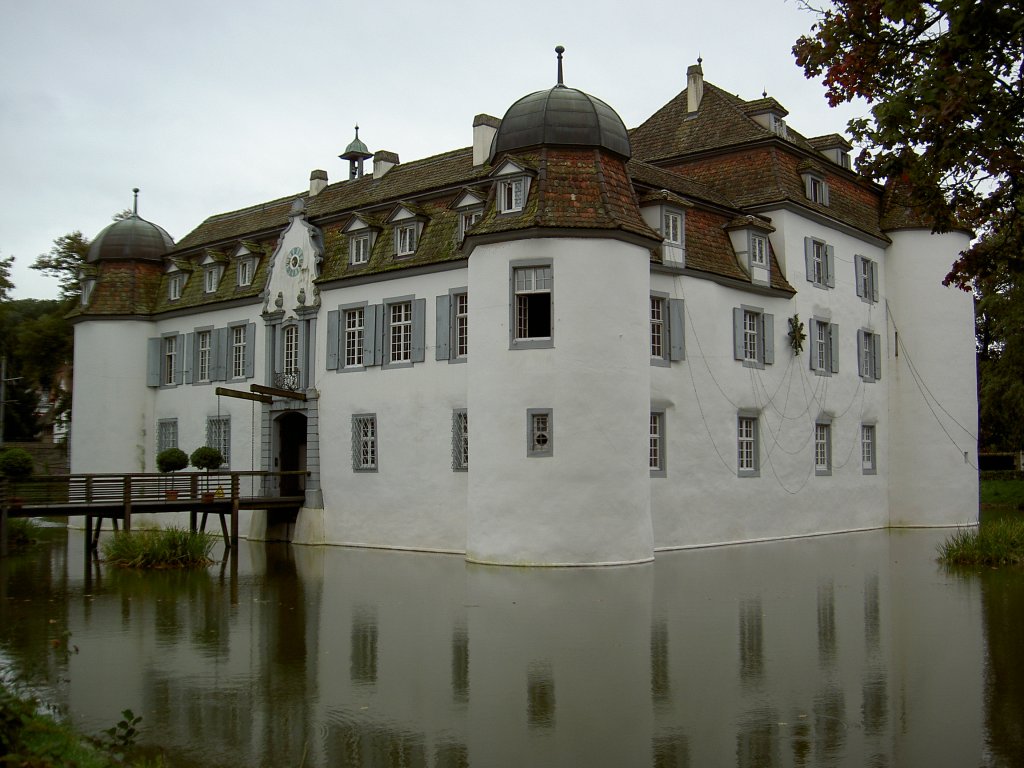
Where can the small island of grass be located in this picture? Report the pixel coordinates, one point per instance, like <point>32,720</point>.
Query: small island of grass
<point>993,543</point>
<point>159,548</point>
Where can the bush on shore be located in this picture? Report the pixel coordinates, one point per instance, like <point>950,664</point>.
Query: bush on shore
<point>159,548</point>
<point>999,542</point>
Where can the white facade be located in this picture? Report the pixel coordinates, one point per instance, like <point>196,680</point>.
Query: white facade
<point>487,373</point>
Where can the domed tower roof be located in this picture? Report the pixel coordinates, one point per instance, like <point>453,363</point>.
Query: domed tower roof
<point>131,238</point>
<point>561,116</point>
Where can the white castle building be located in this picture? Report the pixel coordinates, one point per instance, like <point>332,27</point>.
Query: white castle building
<point>567,344</point>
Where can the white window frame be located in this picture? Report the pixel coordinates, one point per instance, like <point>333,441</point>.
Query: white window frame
<point>819,263</point>
<point>748,448</point>
<point>218,435</point>
<point>866,277</point>
<point>673,227</point>
<point>512,194</point>
<point>816,188</point>
<point>758,250</point>
<point>753,336</point>
<point>365,456</point>
<point>460,325</point>
<point>238,351</point>
<point>211,279</point>
<point>460,440</point>
<point>529,279</point>
<point>399,318</point>
<point>291,342</point>
<point>659,322</point>
<point>204,356</point>
<point>824,352</point>
<point>822,448</point>
<point>869,355</point>
<point>406,237</point>
<point>174,283</point>
<point>467,219</point>
<point>540,441</point>
<point>656,444</point>
<point>169,364</point>
<point>244,272</point>
<point>868,449</point>
<point>354,330</point>
<point>359,248</point>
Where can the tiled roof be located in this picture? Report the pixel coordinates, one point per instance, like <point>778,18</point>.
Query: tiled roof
<point>122,288</point>
<point>897,210</point>
<point>708,249</point>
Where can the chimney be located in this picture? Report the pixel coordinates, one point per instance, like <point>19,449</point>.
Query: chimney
<point>694,87</point>
<point>484,128</point>
<point>383,161</point>
<point>317,182</point>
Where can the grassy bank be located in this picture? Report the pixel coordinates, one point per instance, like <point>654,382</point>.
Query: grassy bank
<point>159,548</point>
<point>993,543</point>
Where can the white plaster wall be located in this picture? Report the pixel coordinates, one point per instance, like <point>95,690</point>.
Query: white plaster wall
<point>588,502</point>
<point>112,425</point>
<point>702,500</point>
<point>933,384</point>
<point>415,500</point>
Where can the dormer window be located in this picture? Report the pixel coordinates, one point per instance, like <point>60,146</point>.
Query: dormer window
<point>245,272</point>
<point>466,221</point>
<point>359,248</point>
<point>673,228</point>
<point>211,278</point>
<point>758,251</point>
<point>174,284</point>
<point>511,195</point>
<point>405,239</point>
<point>87,286</point>
<point>815,188</point>
<point>362,234</point>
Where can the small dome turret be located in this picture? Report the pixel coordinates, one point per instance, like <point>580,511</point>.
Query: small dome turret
<point>131,238</point>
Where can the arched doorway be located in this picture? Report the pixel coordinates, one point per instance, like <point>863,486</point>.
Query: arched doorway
<point>290,445</point>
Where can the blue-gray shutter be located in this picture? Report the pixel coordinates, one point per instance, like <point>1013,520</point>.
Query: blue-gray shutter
<point>769,338</point>
<point>219,351</point>
<point>250,350</point>
<point>858,271</point>
<point>876,352</point>
<point>179,359</point>
<point>333,337</point>
<point>419,330</point>
<point>860,353</point>
<point>809,258</point>
<point>373,329</point>
<point>153,362</point>
<point>676,330</point>
<point>874,281</point>
<point>833,352</point>
<point>830,266</point>
<point>737,333</point>
<point>442,327</point>
<point>190,358</point>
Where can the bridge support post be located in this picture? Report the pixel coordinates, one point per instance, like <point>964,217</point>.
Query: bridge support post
<point>127,502</point>
<point>234,509</point>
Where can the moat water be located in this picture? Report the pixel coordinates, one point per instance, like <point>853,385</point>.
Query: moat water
<point>851,650</point>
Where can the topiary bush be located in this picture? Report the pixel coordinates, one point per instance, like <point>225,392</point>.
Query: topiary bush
<point>15,463</point>
<point>171,460</point>
<point>206,458</point>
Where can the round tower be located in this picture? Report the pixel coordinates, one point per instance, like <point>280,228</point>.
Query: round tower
<point>559,377</point>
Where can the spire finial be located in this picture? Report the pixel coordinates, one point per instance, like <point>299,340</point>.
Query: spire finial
<point>560,50</point>
<point>357,130</point>
<point>135,204</point>
<point>764,93</point>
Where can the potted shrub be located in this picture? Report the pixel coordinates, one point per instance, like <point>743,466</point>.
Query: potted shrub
<point>207,458</point>
<point>171,460</point>
<point>15,465</point>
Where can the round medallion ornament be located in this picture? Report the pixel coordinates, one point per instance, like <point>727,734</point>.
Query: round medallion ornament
<point>293,264</point>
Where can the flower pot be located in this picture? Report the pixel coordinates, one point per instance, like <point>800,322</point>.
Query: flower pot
<point>207,497</point>
<point>171,495</point>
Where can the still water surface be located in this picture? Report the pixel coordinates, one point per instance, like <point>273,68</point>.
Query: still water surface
<point>852,650</point>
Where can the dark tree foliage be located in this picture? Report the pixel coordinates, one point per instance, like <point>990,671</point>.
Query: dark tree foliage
<point>1000,333</point>
<point>63,261</point>
<point>943,79</point>
<point>6,286</point>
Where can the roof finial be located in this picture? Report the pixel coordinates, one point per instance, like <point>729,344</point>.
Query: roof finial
<point>699,59</point>
<point>560,50</point>
<point>764,93</point>
<point>135,204</point>
<point>357,130</point>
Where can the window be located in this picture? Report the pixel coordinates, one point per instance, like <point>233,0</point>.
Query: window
<point>869,355</point>
<point>753,336</point>
<point>538,428</point>
<point>364,442</point>
<point>466,221</point>
<point>359,248</point>
<point>87,288</point>
<point>203,352</point>
<point>656,452</point>
<point>666,330</point>
<point>673,227</point>
<point>238,345</point>
<point>868,449</point>
<point>816,188</point>
<point>400,332</point>
<point>170,367</point>
<point>866,277</point>
<point>218,435</point>
<point>460,440</point>
<point>824,357</point>
<point>531,323</point>
<point>511,195</point>
<point>820,263</point>
<point>758,251</point>
<point>211,276</point>
<point>405,239</point>
<point>291,350</point>
<point>166,434</point>
<point>245,272</point>
<point>452,326</point>
<point>747,448</point>
<point>461,326</point>
<point>354,329</point>
<point>822,448</point>
<point>174,287</point>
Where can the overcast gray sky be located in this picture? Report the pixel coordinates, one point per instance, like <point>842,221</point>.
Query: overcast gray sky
<point>213,106</point>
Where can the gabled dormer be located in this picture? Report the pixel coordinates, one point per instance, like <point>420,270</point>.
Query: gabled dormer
<point>834,147</point>
<point>177,271</point>
<point>511,187</point>
<point>750,243</point>
<point>469,207</point>
<point>407,222</point>
<point>815,183</point>
<point>245,259</point>
<point>213,264</point>
<point>361,231</point>
<point>665,213</point>
<point>87,274</point>
<point>768,113</point>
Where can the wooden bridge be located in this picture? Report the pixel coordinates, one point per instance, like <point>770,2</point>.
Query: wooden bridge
<point>116,497</point>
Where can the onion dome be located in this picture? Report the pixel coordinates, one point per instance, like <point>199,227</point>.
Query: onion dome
<point>561,116</point>
<point>131,238</point>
